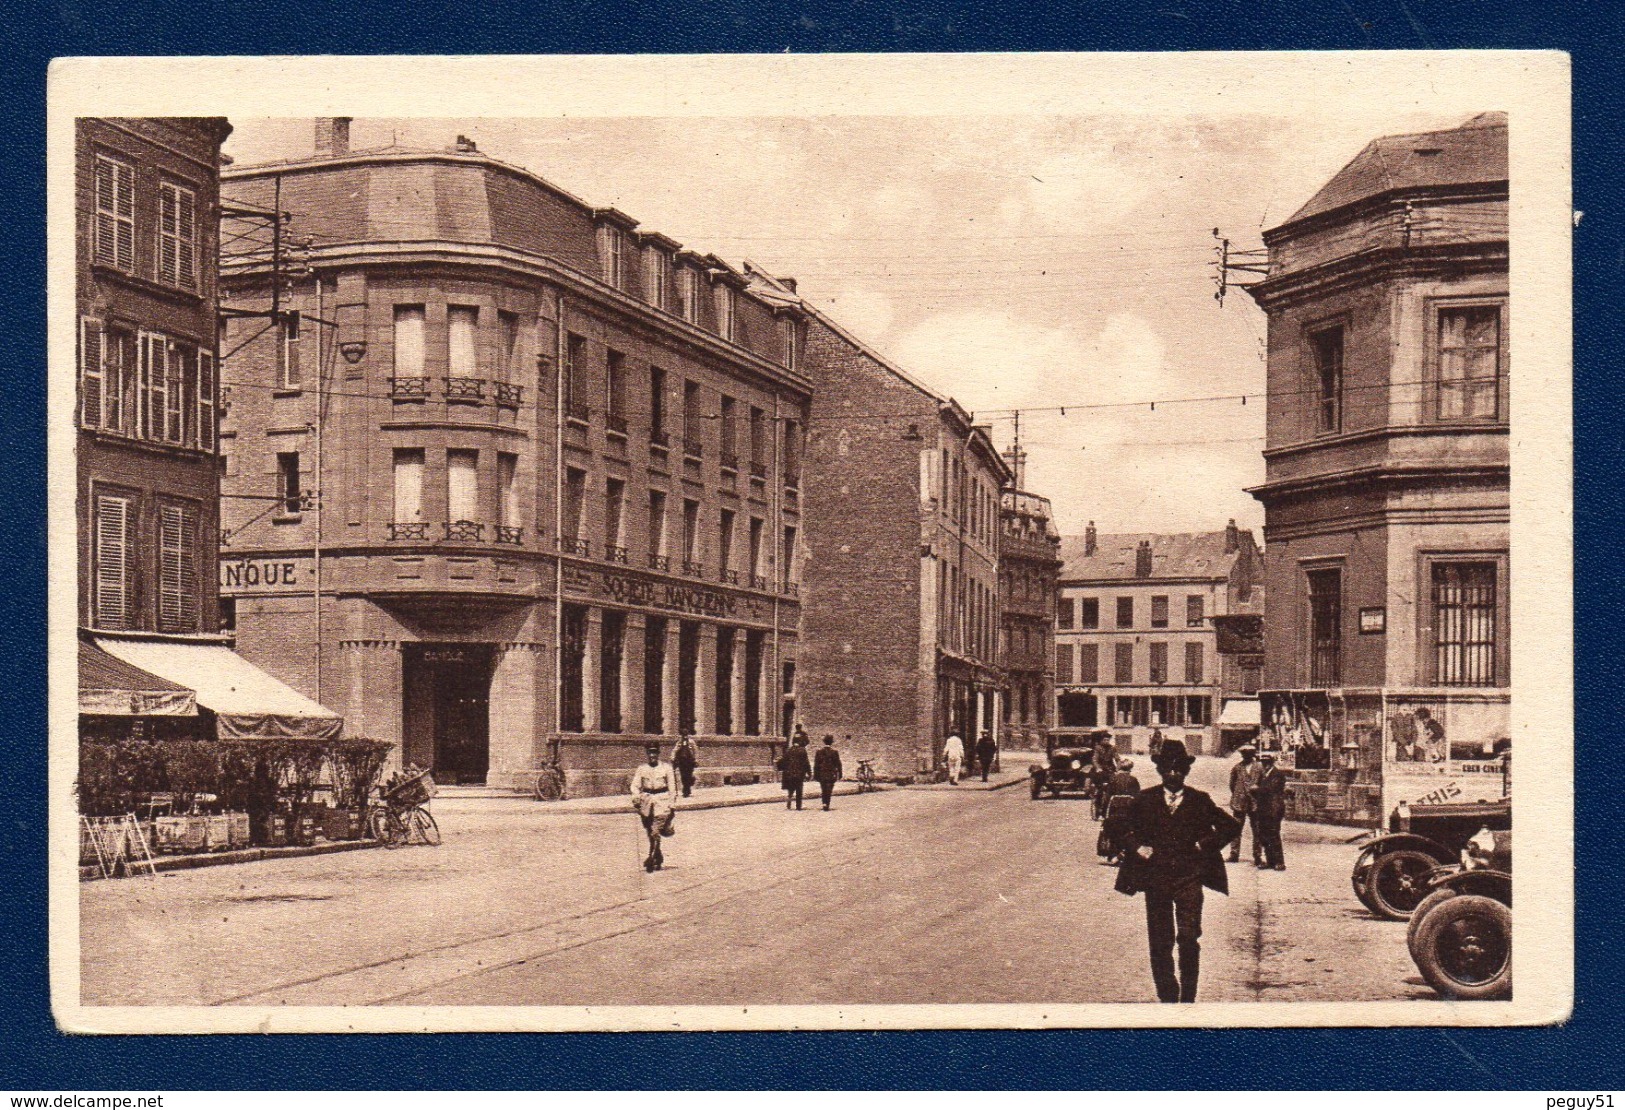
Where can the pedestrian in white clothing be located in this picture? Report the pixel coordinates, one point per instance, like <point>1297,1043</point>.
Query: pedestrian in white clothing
<point>654,791</point>
<point>953,753</point>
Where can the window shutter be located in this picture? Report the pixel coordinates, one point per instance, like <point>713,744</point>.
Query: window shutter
<point>117,356</point>
<point>186,217</point>
<point>106,213</point>
<point>177,569</point>
<point>154,384</point>
<point>111,603</point>
<point>205,400</point>
<point>92,380</point>
<point>124,177</point>
<point>168,235</point>
<point>174,384</point>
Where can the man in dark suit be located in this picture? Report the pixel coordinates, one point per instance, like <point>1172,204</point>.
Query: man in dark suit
<point>1269,809</point>
<point>1174,840</point>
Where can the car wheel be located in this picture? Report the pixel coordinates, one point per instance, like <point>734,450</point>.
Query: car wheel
<point>1423,908</point>
<point>1398,882</point>
<point>1361,875</point>
<point>1055,791</point>
<point>1038,790</point>
<point>1464,948</point>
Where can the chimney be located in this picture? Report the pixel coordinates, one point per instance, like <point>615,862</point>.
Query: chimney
<point>465,145</point>
<point>1232,538</point>
<point>1017,458</point>
<point>333,137</point>
<point>1142,560</point>
<point>788,282</point>
<point>1089,539</point>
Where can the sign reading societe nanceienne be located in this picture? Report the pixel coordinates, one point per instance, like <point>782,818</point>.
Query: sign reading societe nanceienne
<point>649,593</point>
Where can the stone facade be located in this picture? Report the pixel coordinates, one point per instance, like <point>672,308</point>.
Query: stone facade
<point>1029,569</point>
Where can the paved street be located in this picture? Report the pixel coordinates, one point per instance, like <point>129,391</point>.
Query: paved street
<point>524,904</point>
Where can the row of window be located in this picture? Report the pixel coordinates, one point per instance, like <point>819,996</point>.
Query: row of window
<point>146,385</point>
<point>970,612</point>
<point>1084,612</point>
<point>1466,629</point>
<point>741,655</point>
<point>1075,710</point>
<point>119,592</point>
<point>1079,664</point>
<point>1465,358</point>
<point>969,500</point>
<point>114,233</point>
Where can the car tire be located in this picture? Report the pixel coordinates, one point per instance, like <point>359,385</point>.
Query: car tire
<point>1423,908</point>
<point>1464,948</point>
<point>1361,875</point>
<point>1038,790</point>
<point>1397,882</point>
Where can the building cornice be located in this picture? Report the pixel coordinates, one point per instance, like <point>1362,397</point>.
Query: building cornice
<point>1389,200</point>
<point>1394,431</point>
<point>1368,266</point>
<point>531,266</point>
<point>1383,475</point>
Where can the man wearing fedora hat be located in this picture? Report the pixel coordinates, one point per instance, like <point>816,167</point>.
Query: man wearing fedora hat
<point>1242,777</point>
<point>1269,810</point>
<point>1173,845</point>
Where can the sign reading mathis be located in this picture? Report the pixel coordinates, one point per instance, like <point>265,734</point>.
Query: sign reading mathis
<point>277,575</point>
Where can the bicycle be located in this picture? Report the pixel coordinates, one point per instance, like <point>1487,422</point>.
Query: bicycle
<point>549,784</point>
<point>400,816</point>
<point>866,779</point>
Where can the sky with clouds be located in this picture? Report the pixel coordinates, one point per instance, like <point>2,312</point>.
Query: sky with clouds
<point>1014,262</point>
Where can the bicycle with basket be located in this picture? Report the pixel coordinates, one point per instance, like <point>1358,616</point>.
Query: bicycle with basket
<point>401,814</point>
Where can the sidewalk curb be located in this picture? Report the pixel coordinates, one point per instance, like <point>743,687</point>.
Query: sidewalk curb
<point>88,872</point>
<point>621,803</point>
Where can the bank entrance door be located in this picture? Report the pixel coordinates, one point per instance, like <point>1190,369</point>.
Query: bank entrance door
<point>446,700</point>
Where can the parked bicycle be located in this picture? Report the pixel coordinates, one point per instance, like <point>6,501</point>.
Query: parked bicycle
<point>401,815</point>
<point>866,776</point>
<point>549,784</point>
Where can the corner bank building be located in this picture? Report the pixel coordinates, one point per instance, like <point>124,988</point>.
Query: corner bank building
<point>507,479</point>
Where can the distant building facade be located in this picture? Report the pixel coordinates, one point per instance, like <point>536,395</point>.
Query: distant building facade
<point>1386,496</point>
<point>1029,569</point>
<point>517,481</point>
<point>900,610</point>
<point>1135,647</point>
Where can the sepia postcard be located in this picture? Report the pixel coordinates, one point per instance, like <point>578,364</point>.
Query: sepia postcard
<point>801,542</point>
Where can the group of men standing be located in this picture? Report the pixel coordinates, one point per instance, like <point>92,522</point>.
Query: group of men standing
<point>1258,797</point>
<point>953,756</point>
<point>795,768</point>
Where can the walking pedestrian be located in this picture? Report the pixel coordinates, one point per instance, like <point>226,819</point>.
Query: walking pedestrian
<point>1103,764</point>
<point>795,770</point>
<point>986,751</point>
<point>685,757</point>
<point>1122,788</point>
<point>1173,843</point>
<point>800,736</point>
<point>953,754</point>
<point>1269,810</point>
<point>1242,778</point>
<point>654,789</point>
<point>827,768</point>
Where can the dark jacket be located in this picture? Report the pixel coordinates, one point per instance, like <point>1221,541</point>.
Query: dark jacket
<point>827,764</point>
<point>986,750</point>
<point>683,756</point>
<point>1185,844</point>
<point>1269,795</point>
<point>794,766</point>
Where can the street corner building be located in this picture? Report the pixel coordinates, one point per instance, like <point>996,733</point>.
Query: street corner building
<point>1136,642</point>
<point>508,480</point>
<point>900,623</point>
<point>1386,495</point>
<point>155,674</point>
<point>1029,572</point>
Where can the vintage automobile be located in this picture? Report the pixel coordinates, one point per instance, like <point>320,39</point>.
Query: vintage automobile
<point>1071,759</point>
<point>1461,933</point>
<point>1392,873</point>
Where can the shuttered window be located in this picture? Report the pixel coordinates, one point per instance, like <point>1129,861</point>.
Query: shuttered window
<point>177,568</point>
<point>1124,664</point>
<point>1088,664</point>
<point>1193,664</point>
<point>1159,662</point>
<point>111,601</point>
<point>92,379</point>
<point>177,236</point>
<point>115,214</point>
<point>1063,663</point>
<point>154,384</point>
<point>206,423</point>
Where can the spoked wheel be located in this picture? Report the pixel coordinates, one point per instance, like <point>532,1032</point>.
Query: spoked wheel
<point>1414,929</point>
<point>1360,877</point>
<point>1398,882</point>
<point>549,786</point>
<point>387,828</point>
<point>421,828</point>
<point>1464,948</point>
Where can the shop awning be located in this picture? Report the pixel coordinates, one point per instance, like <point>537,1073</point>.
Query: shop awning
<point>110,687</point>
<point>1239,713</point>
<point>248,703</point>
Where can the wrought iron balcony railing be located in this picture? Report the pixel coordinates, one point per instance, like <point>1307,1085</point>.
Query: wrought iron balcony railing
<point>615,553</point>
<point>409,389</point>
<point>792,589</point>
<point>507,534</point>
<point>693,569</point>
<point>413,530</point>
<point>471,390</point>
<point>575,545</point>
<point>466,531</point>
<point>508,395</point>
<point>731,577</point>
<point>660,562</point>
<point>758,582</point>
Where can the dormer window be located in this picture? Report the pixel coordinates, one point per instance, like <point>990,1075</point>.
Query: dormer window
<point>656,268</point>
<point>688,293</point>
<point>612,254</point>
<point>725,294</point>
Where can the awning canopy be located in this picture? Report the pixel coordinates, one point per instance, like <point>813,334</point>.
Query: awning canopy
<point>1239,713</point>
<point>110,687</point>
<point>248,703</point>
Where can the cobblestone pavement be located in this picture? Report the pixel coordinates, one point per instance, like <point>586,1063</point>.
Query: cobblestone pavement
<point>905,896</point>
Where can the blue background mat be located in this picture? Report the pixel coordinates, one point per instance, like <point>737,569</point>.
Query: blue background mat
<point>1583,1055</point>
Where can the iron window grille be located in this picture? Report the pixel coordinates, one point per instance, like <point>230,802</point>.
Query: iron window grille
<point>466,531</point>
<point>465,389</point>
<point>509,395</point>
<point>575,546</point>
<point>660,562</point>
<point>510,535</point>
<point>615,553</point>
<point>1325,627</point>
<point>1464,623</point>
<point>413,530</point>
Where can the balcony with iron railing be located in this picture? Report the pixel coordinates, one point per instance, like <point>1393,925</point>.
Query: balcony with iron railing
<point>615,553</point>
<point>508,395</point>
<point>792,589</point>
<point>758,582</point>
<point>731,577</point>
<point>693,569</point>
<point>510,535</point>
<point>409,389</point>
<point>464,531</point>
<point>575,545</point>
<point>409,530</point>
<point>660,562</point>
<point>470,391</point>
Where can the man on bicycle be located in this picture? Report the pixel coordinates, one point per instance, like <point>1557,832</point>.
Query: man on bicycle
<point>654,790</point>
